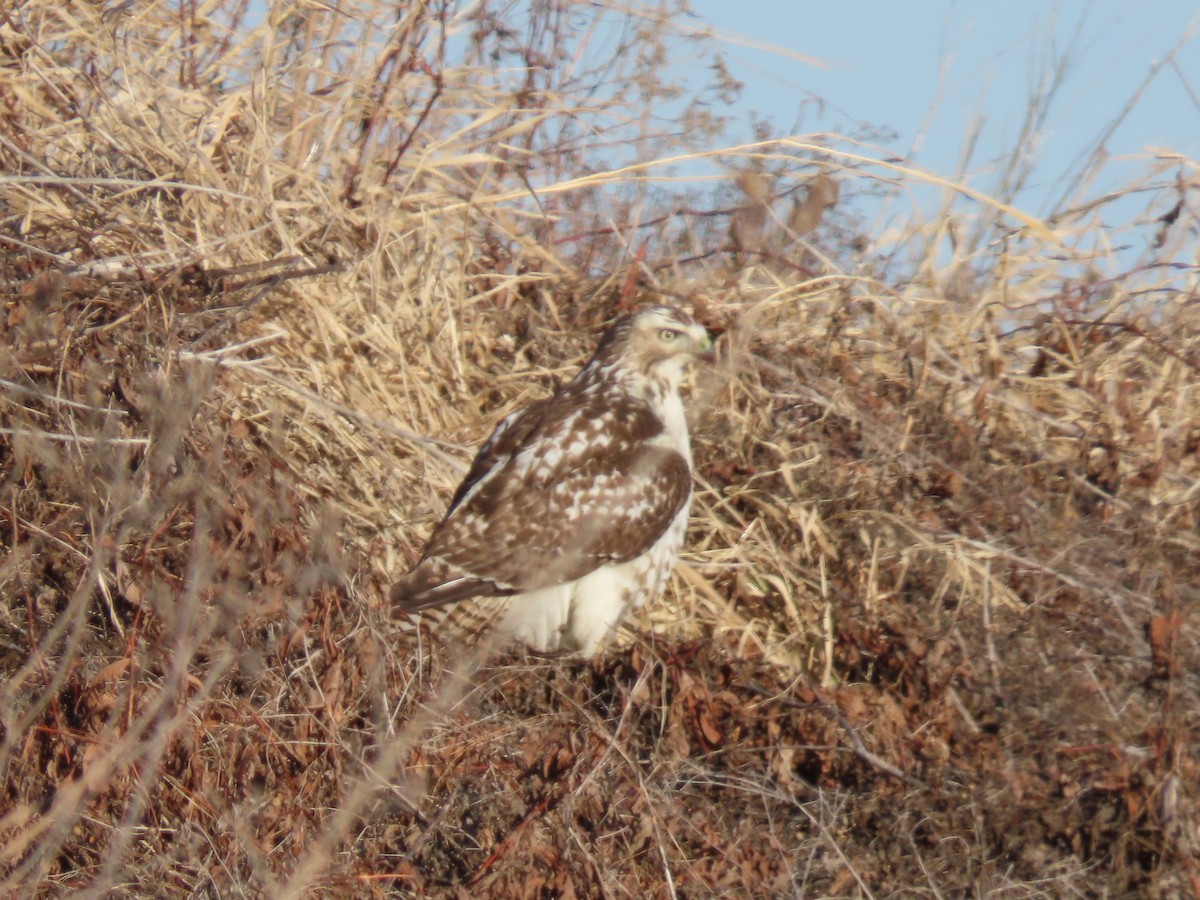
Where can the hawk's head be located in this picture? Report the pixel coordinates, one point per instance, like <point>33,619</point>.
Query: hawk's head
<point>657,342</point>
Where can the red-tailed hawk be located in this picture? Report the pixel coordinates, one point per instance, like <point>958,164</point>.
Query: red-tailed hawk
<point>575,509</point>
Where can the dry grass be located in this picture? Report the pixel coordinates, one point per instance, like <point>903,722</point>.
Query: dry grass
<point>267,284</point>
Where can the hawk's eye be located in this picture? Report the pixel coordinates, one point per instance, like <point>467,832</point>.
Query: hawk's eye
<point>667,335</point>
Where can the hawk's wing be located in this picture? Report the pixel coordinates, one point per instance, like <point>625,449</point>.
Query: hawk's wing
<point>509,435</point>
<point>560,489</point>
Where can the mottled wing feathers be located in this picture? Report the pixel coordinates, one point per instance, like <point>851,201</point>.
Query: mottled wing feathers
<point>522,535</point>
<point>507,437</point>
<point>560,489</point>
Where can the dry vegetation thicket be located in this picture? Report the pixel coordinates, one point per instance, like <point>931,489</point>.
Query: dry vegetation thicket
<point>267,281</point>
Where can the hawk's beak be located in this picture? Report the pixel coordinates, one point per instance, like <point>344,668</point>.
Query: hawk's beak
<point>707,351</point>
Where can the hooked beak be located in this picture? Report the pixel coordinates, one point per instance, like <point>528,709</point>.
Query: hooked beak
<point>708,350</point>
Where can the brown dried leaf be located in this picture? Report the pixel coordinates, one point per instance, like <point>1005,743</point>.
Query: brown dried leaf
<point>1163,631</point>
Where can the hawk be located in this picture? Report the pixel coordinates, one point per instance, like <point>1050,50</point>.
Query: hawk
<point>575,509</point>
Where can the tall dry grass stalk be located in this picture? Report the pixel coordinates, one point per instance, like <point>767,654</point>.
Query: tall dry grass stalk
<point>271,273</point>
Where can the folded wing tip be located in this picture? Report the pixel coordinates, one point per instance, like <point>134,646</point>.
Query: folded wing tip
<point>420,590</point>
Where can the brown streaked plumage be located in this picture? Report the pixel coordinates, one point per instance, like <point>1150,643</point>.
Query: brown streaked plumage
<point>575,508</point>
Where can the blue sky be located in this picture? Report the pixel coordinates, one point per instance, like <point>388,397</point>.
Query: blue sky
<point>929,70</point>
